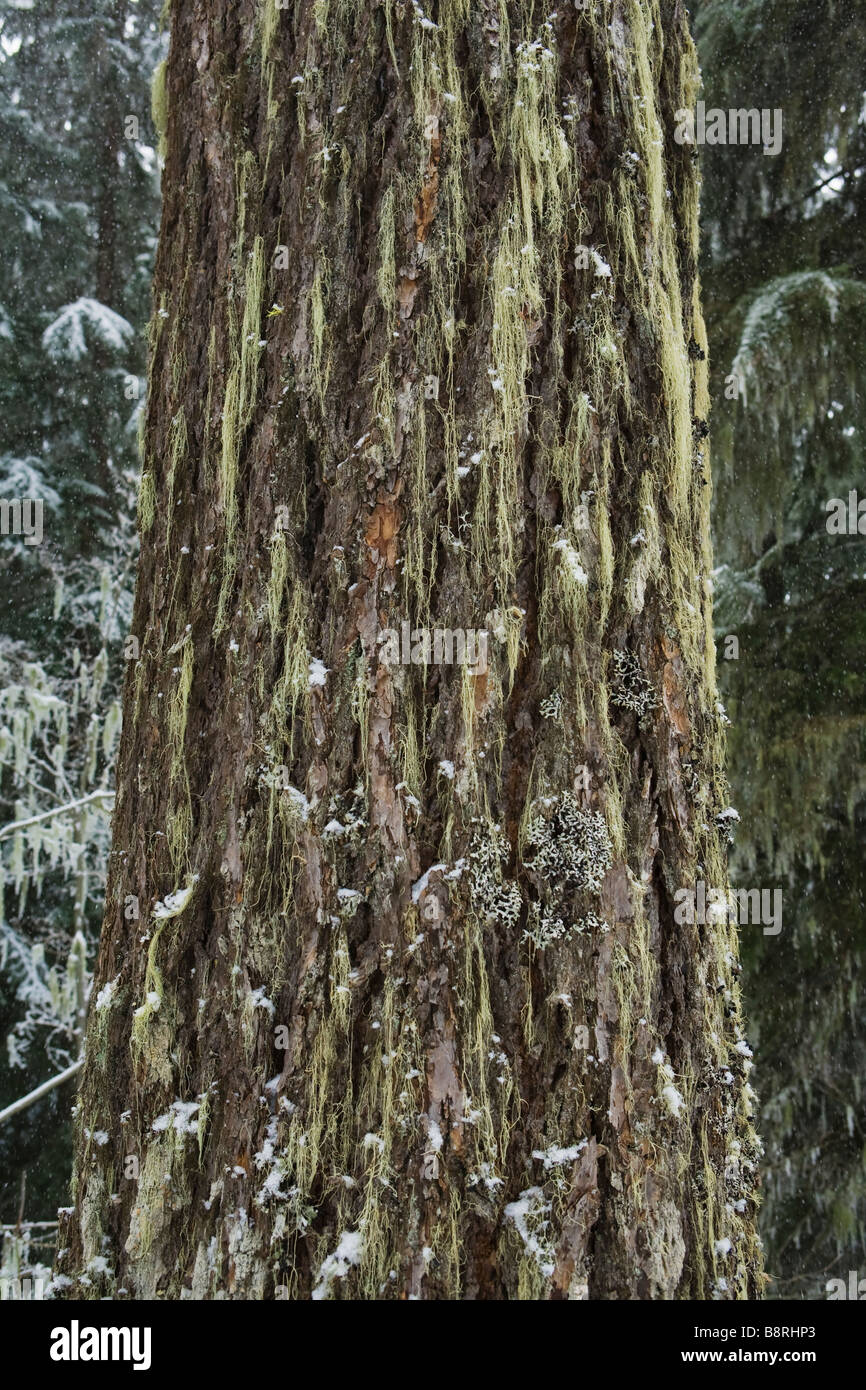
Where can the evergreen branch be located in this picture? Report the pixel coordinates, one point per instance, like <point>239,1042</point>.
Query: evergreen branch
<point>845,174</point>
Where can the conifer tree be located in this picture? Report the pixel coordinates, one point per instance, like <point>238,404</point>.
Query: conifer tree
<point>391,998</point>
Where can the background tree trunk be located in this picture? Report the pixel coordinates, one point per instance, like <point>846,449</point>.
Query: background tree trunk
<point>406,1012</point>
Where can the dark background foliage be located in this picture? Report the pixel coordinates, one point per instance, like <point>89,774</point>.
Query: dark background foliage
<point>784,296</point>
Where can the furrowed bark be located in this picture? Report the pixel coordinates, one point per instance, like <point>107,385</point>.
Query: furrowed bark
<point>407,1012</point>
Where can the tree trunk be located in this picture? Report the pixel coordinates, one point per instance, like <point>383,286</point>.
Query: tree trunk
<point>407,1012</point>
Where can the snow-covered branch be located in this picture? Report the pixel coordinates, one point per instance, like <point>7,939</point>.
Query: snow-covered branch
<point>14,825</point>
<point>32,1096</point>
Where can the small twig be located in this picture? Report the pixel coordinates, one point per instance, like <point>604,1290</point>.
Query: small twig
<point>29,1226</point>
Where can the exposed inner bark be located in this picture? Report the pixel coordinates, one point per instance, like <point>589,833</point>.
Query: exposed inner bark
<point>427,350</point>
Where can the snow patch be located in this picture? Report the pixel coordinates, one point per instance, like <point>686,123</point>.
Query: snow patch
<point>319,673</point>
<point>421,885</point>
<point>555,1155</point>
<point>181,1117</point>
<point>529,1214</point>
<point>347,1254</point>
<point>174,904</point>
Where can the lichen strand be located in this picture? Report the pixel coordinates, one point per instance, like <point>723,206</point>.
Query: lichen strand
<point>473,1055</point>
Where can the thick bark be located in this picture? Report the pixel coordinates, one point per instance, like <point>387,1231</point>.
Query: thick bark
<point>465,398</point>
